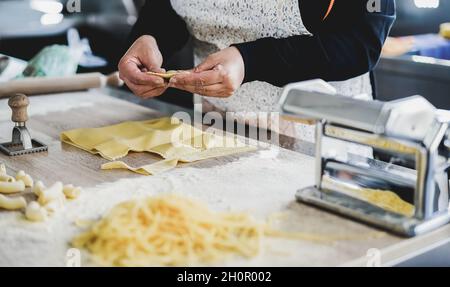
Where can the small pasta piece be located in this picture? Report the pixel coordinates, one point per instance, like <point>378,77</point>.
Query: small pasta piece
<point>38,187</point>
<point>55,192</point>
<point>13,203</point>
<point>12,187</point>
<point>6,178</point>
<point>26,178</point>
<point>35,212</point>
<point>71,192</point>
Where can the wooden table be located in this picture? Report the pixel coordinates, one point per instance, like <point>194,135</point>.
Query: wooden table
<point>50,115</point>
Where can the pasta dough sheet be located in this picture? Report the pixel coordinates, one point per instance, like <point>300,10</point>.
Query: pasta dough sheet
<point>169,138</point>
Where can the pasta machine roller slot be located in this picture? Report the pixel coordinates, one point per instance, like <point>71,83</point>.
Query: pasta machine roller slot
<point>21,142</point>
<point>407,192</point>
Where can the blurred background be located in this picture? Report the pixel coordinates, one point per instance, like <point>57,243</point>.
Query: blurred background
<point>416,59</point>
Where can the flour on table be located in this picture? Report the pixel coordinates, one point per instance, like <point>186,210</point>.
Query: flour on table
<point>43,105</point>
<point>267,181</point>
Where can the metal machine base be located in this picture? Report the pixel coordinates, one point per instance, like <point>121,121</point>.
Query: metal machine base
<point>11,149</point>
<point>362,211</point>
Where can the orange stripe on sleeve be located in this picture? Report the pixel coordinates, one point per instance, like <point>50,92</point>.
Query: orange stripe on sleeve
<point>330,7</point>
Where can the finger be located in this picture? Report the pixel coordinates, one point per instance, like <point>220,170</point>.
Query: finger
<point>207,78</point>
<point>158,70</point>
<point>208,64</point>
<point>217,90</point>
<point>143,90</point>
<point>154,93</point>
<point>129,69</point>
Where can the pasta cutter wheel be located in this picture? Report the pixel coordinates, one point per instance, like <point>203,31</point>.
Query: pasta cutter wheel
<point>21,143</point>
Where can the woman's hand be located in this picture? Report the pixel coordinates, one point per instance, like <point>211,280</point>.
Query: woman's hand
<point>143,56</point>
<point>220,75</point>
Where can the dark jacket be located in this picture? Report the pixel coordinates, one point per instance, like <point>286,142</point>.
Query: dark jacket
<point>344,45</point>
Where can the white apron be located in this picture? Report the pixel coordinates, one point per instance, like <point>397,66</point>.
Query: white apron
<point>217,24</point>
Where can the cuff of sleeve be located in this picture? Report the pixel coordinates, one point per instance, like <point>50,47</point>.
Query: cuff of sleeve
<point>247,50</point>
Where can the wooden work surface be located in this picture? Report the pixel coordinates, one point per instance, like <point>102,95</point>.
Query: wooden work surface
<point>50,115</point>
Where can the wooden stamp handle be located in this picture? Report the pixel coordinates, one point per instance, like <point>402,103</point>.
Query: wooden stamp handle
<point>19,105</point>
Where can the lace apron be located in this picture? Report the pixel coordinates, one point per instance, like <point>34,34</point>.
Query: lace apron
<point>217,24</point>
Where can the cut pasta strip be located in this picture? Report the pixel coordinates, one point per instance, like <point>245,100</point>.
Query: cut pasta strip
<point>151,169</point>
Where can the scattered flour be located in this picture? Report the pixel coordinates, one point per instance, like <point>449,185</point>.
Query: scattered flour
<point>55,103</point>
<point>262,183</point>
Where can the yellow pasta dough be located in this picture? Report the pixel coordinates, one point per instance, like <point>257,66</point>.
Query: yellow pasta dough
<point>167,137</point>
<point>167,75</point>
<point>71,192</point>
<point>4,176</point>
<point>12,203</point>
<point>51,194</point>
<point>26,178</point>
<point>12,187</point>
<point>34,212</point>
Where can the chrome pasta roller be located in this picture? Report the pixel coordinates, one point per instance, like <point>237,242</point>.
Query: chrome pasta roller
<point>21,143</point>
<point>408,191</point>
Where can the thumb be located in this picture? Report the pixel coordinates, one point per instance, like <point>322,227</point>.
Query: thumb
<point>208,64</point>
<point>151,60</point>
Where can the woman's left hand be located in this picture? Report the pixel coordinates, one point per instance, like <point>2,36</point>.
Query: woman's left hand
<point>220,75</point>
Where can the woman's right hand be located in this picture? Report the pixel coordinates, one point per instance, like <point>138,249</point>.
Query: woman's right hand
<point>143,56</point>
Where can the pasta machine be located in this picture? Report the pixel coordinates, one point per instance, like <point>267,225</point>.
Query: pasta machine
<point>383,163</point>
<point>21,142</point>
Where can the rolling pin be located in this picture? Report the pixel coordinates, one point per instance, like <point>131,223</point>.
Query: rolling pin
<point>49,85</point>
